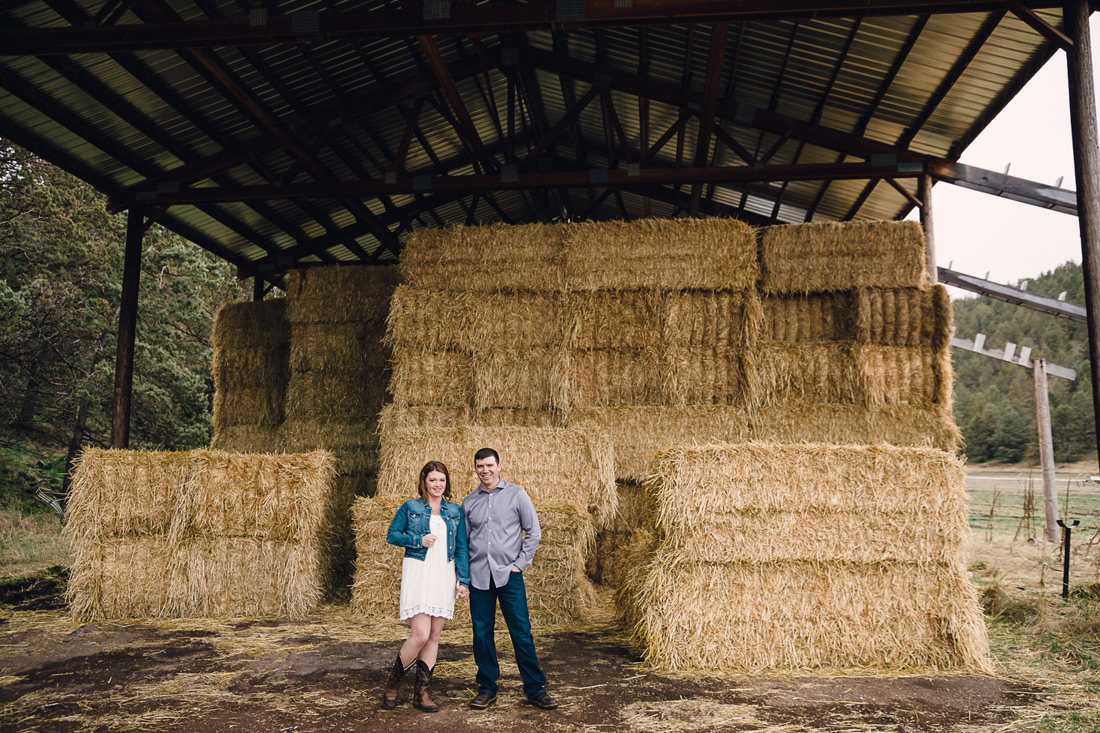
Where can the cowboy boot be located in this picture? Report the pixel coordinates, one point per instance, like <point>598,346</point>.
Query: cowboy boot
<point>389,695</point>
<point>421,700</point>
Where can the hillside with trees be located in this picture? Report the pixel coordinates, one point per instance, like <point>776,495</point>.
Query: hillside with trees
<point>60,283</point>
<point>995,401</point>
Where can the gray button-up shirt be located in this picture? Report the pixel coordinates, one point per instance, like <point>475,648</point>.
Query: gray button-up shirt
<point>502,530</point>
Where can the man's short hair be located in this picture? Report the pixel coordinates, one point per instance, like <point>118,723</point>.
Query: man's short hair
<point>484,453</point>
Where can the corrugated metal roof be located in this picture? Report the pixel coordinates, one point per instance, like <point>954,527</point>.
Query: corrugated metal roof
<point>336,110</point>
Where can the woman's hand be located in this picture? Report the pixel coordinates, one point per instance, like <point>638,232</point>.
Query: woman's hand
<point>427,540</point>
<point>461,591</point>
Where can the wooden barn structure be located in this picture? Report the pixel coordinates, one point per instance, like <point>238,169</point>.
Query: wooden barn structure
<point>279,134</point>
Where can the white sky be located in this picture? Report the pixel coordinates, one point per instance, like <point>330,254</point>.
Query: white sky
<point>1011,241</point>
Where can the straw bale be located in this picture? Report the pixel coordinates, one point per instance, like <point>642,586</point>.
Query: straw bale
<point>637,433</point>
<point>554,465</point>
<point>612,377</point>
<point>661,254</point>
<point>714,318</point>
<point>806,372</point>
<point>349,348</point>
<point>421,377</point>
<point>703,376</point>
<point>622,319</point>
<point>340,294</point>
<point>812,477</point>
<point>251,325</point>
<point>248,439</point>
<point>800,615</point>
<point>519,378</point>
<point>557,589</point>
<point>812,317</point>
<point>430,319</point>
<point>336,394</point>
<point>809,258</point>
<point>250,367</point>
<point>902,375</point>
<point>611,559</point>
<point>902,425</point>
<point>356,484</point>
<point>902,316</point>
<point>118,577</point>
<point>496,257</point>
<point>353,442</point>
<point>638,554</point>
<point>395,419</point>
<point>123,493</point>
<point>247,406</point>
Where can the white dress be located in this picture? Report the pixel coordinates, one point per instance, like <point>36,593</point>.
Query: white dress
<point>428,585</point>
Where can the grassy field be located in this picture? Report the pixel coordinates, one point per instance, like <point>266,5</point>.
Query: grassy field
<point>29,542</point>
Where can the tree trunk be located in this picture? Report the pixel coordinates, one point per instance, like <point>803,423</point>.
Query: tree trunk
<point>74,444</point>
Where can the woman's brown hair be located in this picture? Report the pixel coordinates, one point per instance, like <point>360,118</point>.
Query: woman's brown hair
<point>430,466</point>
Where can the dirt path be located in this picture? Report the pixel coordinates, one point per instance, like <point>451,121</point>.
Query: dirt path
<point>326,674</point>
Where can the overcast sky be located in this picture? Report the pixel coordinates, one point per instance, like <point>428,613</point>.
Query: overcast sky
<point>980,233</point>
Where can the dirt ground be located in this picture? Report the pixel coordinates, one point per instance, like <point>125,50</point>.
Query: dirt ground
<point>326,674</point>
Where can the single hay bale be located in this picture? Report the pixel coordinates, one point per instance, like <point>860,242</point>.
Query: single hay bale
<point>437,378</point>
<point>248,439</point>
<point>637,433</point>
<point>611,378</point>
<point>336,394</point>
<point>457,320</point>
<point>264,368</point>
<point>344,348</point>
<point>557,589</point>
<point>118,576</point>
<point>251,325</point>
<point>902,316</point>
<point>661,254</point>
<point>811,555</point>
<point>340,294</point>
<point>249,368</point>
<point>806,372</point>
<point>496,257</point>
<point>353,442</point>
<point>247,406</point>
<point>395,419</point>
<point>555,465</point>
<point>812,258</point>
<point>638,554</point>
<point>748,616</point>
<point>902,375</point>
<point>124,493</point>
<point>809,317</point>
<point>712,318</point>
<point>624,319</point>
<point>519,379</point>
<point>902,425</point>
<point>703,376</point>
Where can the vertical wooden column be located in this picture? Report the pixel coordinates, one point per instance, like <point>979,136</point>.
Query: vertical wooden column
<point>929,229</point>
<point>257,288</point>
<point>127,329</point>
<point>1086,159</point>
<point>1046,450</point>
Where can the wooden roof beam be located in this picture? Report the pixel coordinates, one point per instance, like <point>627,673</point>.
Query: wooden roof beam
<point>715,58</point>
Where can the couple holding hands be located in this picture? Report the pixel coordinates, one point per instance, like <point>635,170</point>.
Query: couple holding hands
<point>479,550</point>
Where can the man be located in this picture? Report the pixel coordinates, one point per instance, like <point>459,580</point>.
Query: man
<point>502,531</point>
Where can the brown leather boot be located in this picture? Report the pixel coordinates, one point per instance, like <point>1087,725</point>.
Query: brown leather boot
<point>421,700</point>
<point>389,695</point>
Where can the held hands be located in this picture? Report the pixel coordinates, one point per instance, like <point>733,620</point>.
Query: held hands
<point>427,540</point>
<point>461,591</point>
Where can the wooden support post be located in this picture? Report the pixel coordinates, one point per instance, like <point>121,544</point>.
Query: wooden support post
<point>127,329</point>
<point>257,288</point>
<point>1046,450</point>
<point>1086,159</point>
<point>929,230</point>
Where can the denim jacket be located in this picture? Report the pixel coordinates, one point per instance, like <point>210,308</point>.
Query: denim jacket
<point>413,521</point>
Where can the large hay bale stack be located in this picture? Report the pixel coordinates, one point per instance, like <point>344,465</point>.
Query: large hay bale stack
<point>250,371</point>
<point>810,555</point>
<point>558,589</point>
<point>201,533</point>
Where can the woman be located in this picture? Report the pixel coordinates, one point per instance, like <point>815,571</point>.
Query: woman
<point>435,571</point>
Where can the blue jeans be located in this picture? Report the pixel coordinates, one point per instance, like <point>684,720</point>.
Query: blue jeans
<point>483,615</point>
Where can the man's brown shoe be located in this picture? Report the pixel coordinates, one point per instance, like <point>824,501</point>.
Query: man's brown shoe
<point>482,701</point>
<point>543,700</point>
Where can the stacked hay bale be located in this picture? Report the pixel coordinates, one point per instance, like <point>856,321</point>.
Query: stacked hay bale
<point>809,555</point>
<point>251,346</point>
<point>201,533</point>
<point>856,342</point>
<point>568,475</point>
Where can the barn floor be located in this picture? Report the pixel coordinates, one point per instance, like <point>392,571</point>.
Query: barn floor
<point>326,673</point>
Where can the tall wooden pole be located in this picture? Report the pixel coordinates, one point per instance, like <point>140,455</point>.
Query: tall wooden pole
<point>1046,450</point>
<point>1086,158</point>
<point>929,229</point>
<point>257,288</point>
<point>127,329</point>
